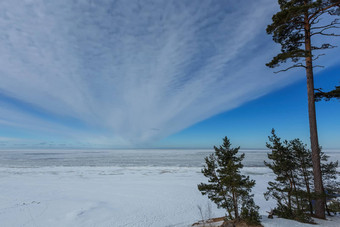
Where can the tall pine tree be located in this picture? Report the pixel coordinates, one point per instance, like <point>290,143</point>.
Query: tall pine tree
<point>293,27</point>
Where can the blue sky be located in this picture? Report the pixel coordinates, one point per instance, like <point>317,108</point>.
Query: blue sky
<point>285,110</point>
<point>151,74</point>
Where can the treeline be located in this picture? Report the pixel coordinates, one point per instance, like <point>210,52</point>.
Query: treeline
<point>292,188</point>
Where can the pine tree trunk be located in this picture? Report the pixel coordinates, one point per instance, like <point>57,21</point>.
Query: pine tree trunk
<point>308,192</point>
<point>235,206</point>
<point>296,196</point>
<point>306,181</point>
<point>289,195</point>
<point>320,204</point>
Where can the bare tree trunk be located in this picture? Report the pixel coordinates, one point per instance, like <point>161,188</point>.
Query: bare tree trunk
<point>320,203</point>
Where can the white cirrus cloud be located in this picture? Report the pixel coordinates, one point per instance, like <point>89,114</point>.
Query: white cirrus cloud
<point>136,70</point>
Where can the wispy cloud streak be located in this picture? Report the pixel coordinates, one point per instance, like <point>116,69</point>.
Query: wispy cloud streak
<point>136,70</point>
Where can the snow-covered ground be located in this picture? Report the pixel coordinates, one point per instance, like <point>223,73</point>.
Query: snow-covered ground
<point>116,188</point>
<point>100,196</point>
<point>114,196</point>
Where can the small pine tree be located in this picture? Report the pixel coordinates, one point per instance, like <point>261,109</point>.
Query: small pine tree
<point>227,187</point>
<point>282,165</point>
<point>303,160</point>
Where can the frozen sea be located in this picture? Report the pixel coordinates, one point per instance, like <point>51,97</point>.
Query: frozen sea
<point>155,187</point>
<point>126,158</point>
<point>118,158</point>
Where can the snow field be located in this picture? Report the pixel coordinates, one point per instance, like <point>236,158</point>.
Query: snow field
<point>114,196</point>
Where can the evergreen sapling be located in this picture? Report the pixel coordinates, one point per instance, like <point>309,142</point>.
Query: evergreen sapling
<point>227,187</point>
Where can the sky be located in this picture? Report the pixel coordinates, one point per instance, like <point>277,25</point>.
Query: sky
<point>151,74</point>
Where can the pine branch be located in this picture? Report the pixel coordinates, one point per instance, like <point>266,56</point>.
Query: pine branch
<point>323,47</point>
<point>294,54</point>
<point>325,34</point>
<point>315,19</point>
<point>332,25</point>
<point>291,67</point>
<point>322,10</point>
<point>334,22</point>
<point>318,66</point>
<point>315,22</point>
<point>318,56</point>
<point>320,94</point>
<point>326,28</point>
